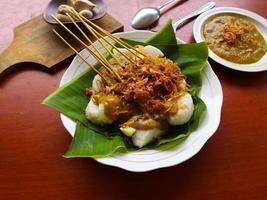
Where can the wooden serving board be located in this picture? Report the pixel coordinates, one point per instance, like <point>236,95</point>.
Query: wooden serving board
<point>35,42</point>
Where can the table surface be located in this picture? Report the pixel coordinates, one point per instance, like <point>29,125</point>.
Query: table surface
<point>231,165</point>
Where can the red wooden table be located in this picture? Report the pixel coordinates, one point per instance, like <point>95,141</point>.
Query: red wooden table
<point>232,164</point>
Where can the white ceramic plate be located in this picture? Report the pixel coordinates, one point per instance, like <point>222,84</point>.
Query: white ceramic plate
<point>257,20</point>
<point>147,160</point>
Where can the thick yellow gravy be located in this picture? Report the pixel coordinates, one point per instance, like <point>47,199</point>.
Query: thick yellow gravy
<point>234,38</point>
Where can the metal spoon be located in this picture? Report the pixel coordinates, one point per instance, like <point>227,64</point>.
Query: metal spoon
<point>195,13</point>
<point>149,15</point>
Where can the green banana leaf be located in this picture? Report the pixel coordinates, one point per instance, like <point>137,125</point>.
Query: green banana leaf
<point>90,140</point>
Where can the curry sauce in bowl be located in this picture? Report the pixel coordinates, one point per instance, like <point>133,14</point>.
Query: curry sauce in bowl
<point>234,38</point>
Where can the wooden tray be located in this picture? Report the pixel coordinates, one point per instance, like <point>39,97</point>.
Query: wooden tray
<point>35,42</point>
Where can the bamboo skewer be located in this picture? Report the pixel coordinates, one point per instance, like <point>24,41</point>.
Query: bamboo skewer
<point>81,42</point>
<point>95,31</point>
<point>107,65</point>
<point>116,39</point>
<point>96,34</point>
<point>79,55</point>
<point>112,45</point>
<point>86,25</point>
<point>107,49</point>
<point>88,39</point>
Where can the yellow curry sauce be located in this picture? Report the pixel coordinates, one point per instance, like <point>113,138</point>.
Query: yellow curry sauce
<point>234,38</point>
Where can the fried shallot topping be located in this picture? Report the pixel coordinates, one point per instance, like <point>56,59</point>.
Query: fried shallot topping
<point>152,85</point>
<point>234,31</point>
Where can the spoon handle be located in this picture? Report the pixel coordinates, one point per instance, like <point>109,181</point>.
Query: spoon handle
<point>195,13</point>
<point>167,4</point>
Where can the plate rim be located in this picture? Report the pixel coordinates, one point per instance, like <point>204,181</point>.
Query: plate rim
<point>197,32</point>
<point>193,151</point>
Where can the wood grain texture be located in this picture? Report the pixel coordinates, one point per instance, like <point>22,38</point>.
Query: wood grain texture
<point>34,42</point>
<point>232,164</point>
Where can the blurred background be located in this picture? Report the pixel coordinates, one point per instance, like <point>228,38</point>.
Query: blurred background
<point>16,12</point>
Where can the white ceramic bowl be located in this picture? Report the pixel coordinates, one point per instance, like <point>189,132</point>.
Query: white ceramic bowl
<point>257,20</point>
<point>147,160</point>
